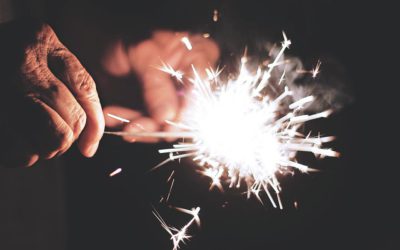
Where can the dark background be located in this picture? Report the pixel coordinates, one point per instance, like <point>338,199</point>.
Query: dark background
<point>350,204</point>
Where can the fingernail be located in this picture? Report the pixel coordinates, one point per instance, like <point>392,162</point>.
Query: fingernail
<point>92,150</point>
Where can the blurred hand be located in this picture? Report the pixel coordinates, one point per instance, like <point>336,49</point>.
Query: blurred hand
<point>161,92</point>
<point>48,99</point>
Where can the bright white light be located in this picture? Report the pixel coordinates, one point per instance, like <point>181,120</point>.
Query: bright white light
<point>238,134</point>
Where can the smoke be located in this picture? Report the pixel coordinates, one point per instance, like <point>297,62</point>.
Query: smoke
<point>330,87</point>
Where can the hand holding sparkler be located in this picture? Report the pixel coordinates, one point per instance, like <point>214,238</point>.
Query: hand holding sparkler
<point>162,64</point>
<point>48,98</point>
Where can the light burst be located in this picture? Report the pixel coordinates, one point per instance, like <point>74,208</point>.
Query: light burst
<point>239,133</point>
<point>243,131</point>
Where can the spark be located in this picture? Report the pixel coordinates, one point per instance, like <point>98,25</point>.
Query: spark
<point>213,74</point>
<point>169,70</point>
<point>300,103</point>
<point>215,175</point>
<point>115,172</point>
<point>170,176</point>
<point>179,235</point>
<point>315,71</point>
<point>185,40</point>
<point>215,15</point>
<point>282,78</point>
<point>170,189</point>
<point>267,74</point>
<point>194,212</point>
<point>118,118</point>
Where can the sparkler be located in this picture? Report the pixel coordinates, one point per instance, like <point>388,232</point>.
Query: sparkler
<point>238,133</point>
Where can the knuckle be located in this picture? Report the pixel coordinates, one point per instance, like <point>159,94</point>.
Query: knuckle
<point>59,52</point>
<point>47,36</point>
<point>46,28</point>
<point>84,83</point>
<point>32,64</point>
<point>91,99</point>
<point>35,75</point>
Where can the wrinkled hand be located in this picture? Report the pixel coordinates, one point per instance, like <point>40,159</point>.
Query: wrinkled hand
<point>160,91</point>
<point>48,98</point>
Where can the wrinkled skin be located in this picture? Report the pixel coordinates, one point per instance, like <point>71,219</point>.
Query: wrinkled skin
<point>162,93</point>
<point>48,100</point>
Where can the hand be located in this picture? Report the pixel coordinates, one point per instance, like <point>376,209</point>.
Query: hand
<point>48,99</point>
<point>161,95</point>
